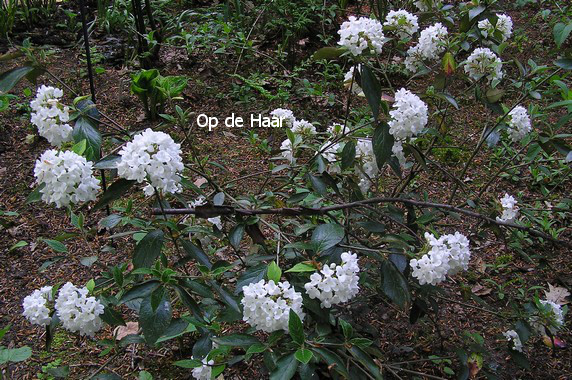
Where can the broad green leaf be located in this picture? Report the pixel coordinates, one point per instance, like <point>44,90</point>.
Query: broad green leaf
<point>382,143</point>
<point>235,235</point>
<point>19,244</point>
<point>148,249</point>
<point>14,355</point>
<point>303,355</point>
<point>108,162</point>
<point>274,272</point>
<point>86,129</point>
<point>286,367</point>
<point>251,275</point>
<point>296,328</point>
<point>371,89</point>
<point>333,361</point>
<point>188,363</point>
<point>114,192</point>
<point>474,12</point>
<point>348,154</point>
<point>36,194</point>
<point>328,52</point>
<point>9,78</point>
<point>110,221</point>
<point>140,291</point>
<point>144,375</point>
<point>394,285</point>
<point>112,317</point>
<point>79,148</point>
<point>236,340</point>
<point>301,267</point>
<point>196,253</point>
<point>561,32</point>
<point>565,63</point>
<point>154,322</point>
<point>327,235</point>
<point>57,246</point>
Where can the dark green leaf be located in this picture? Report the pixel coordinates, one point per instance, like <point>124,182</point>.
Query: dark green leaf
<point>110,221</point>
<point>382,143</point>
<point>59,372</point>
<point>303,355</point>
<point>474,12</point>
<point>327,235</point>
<point>348,154</point>
<point>328,53</point>
<point>189,302</point>
<point>112,317</point>
<point>235,235</point>
<point>394,284</point>
<point>86,129</point>
<point>148,249</point>
<point>333,361</point>
<point>296,328</point>
<point>565,63</point>
<point>140,291</point>
<point>108,162</point>
<point>36,194</point>
<point>371,89</point>
<point>196,253</point>
<point>286,367</point>
<point>154,322</point>
<point>236,340</point>
<point>114,192</point>
<point>56,245</point>
<point>251,275</point>
<point>9,78</point>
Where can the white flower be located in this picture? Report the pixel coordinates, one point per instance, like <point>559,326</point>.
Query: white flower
<point>267,305</point>
<point>519,123</point>
<point>216,221</point>
<point>549,316</point>
<point>50,116</point>
<point>402,23</point>
<point>330,153</point>
<point>448,255</point>
<point>350,80</point>
<point>503,25</point>
<point>408,116</point>
<point>203,372</point>
<point>303,127</point>
<point>285,115</point>
<point>362,34</point>
<point>152,157</point>
<point>335,284</point>
<point>366,164</point>
<point>35,309</point>
<point>512,336</point>
<point>337,129</point>
<point>77,311</point>
<point>287,151</point>
<point>421,5</point>
<point>200,201</point>
<point>431,44</point>
<point>484,63</point>
<point>510,209</point>
<point>397,150</point>
<point>67,178</point>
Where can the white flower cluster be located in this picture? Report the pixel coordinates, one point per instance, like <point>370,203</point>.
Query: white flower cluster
<point>509,209</point>
<point>402,23</point>
<point>335,284</point>
<point>484,63</point>
<point>552,317</point>
<point>285,115</point>
<point>431,44</point>
<point>303,127</point>
<point>408,118</point>
<point>287,151</point>
<point>330,153</point>
<point>67,178</point>
<point>50,116</point>
<point>448,255</point>
<point>519,123</point>
<point>512,336</point>
<point>503,25</point>
<point>362,34</point>
<point>35,309</point>
<point>267,305</point>
<point>356,89</point>
<point>366,164</point>
<point>77,311</point>
<point>203,372</point>
<point>152,157</point>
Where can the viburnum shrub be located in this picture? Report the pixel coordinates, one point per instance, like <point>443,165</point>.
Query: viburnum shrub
<point>341,227</point>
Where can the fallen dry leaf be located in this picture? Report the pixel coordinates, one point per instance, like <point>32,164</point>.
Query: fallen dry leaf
<point>480,290</point>
<point>557,294</point>
<point>121,332</point>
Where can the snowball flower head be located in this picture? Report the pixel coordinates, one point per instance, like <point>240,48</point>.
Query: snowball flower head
<point>512,336</point>
<point>77,311</point>
<point>431,44</point>
<point>363,34</point>
<point>203,372</point>
<point>285,115</point>
<point>519,123</point>
<point>303,127</point>
<point>402,23</point>
<point>155,158</point>
<point>409,115</point>
<point>484,63</point>
<point>287,151</point>
<point>267,305</point>
<point>503,25</point>
<point>35,309</point>
<point>448,255</point>
<point>50,116</point>
<point>509,209</point>
<point>67,178</point>
<point>335,284</point>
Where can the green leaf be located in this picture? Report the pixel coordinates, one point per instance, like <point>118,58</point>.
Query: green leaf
<point>274,272</point>
<point>86,129</point>
<point>144,375</point>
<point>371,89</point>
<point>110,221</point>
<point>188,363</point>
<point>140,291</point>
<point>189,302</point>
<point>382,143</point>
<point>112,317</point>
<point>9,78</point>
<point>235,236</point>
<point>57,246</point>
<point>236,340</point>
<point>318,184</point>
<point>196,253</point>
<point>79,148</point>
<point>328,52</point>
<point>326,236</point>
<point>520,359</point>
<point>296,328</point>
<point>303,355</point>
<point>565,63</point>
<point>14,355</point>
<point>347,329</point>
<point>19,244</point>
<point>227,298</point>
<point>285,369</point>
<point>148,249</point>
<point>394,285</point>
<point>561,32</point>
<point>474,12</point>
<point>108,162</point>
<point>333,361</point>
<point>348,154</point>
<point>36,194</point>
<point>301,267</point>
<point>114,192</point>
<point>60,372</point>
<point>154,322</point>
<point>251,275</point>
